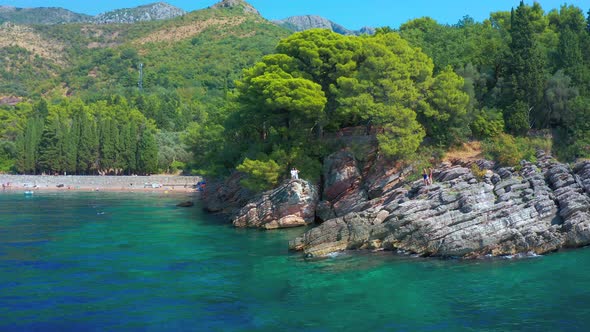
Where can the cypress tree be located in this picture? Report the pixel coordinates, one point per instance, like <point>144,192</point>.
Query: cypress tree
<point>88,146</point>
<point>131,147</point>
<point>72,140</point>
<point>147,152</point>
<point>107,145</point>
<point>27,146</point>
<point>526,69</point>
<point>50,147</point>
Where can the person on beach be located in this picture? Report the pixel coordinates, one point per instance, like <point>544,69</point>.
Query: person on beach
<point>425,176</point>
<point>430,177</point>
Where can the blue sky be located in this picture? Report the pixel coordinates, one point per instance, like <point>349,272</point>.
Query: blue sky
<point>351,14</point>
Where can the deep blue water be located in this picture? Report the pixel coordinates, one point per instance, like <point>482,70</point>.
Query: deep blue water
<point>135,262</point>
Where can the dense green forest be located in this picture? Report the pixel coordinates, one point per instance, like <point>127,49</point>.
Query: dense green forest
<point>248,95</point>
<point>425,88</point>
<point>190,64</point>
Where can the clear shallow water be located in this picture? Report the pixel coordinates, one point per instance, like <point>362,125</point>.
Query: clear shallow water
<point>121,261</point>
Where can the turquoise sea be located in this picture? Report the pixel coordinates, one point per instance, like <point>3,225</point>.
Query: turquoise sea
<point>135,262</point>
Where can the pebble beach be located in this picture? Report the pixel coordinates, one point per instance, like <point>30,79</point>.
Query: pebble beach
<point>161,183</point>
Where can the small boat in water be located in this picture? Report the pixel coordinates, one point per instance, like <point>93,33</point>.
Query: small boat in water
<point>29,193</point>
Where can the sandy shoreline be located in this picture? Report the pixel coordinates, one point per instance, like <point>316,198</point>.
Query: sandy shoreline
<point>154,183</point>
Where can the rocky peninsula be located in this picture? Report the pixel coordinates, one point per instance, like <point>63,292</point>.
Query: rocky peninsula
<point>535,208</point>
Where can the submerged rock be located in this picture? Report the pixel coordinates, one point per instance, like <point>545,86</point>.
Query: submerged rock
<point>185,204</point>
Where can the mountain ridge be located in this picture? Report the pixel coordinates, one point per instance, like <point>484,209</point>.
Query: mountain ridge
<point>150,12</point>
<point>306,22</point>
<point>160,11</point>
<point>40,15</point>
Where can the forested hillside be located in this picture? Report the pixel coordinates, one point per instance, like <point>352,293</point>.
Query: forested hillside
<point>421,90</point>
<point>243,93</point>
<point>189,63</point>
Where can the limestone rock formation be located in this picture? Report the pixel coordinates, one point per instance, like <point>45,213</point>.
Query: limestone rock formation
<point>306,22</point>
<point>151,12</point>
<point>540,208</point>
<point>292,204</point>
<point>246,7</point>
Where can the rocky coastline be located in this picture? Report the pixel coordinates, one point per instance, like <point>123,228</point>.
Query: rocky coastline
<point>534,208</point>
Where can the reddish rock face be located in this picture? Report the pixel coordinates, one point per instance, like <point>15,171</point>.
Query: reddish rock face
<point>341,175</point>
<point>290,205</point>
<point>350,187</point>
<point>227,196</point>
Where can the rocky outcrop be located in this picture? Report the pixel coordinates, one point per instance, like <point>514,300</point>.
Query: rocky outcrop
<point>342,192</point>
<point>246,7</point>
<point>226,196</point>
<point>540,208</point>
<point>349,186</point>
<point>306,22</point>
<point>152,12</point>
<point>292,204</point>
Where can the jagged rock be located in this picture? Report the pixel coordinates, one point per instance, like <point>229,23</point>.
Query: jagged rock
<point>227,196</point>
<point>290,205</point>
<point>540,208</point>
<point>150,12</point>
<point>342,184</point>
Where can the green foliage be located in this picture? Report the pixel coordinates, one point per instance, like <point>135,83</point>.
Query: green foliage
<point>147,152</point>
<point>517,118</point>
<point>487,123</point>
<point>445,115</point>
<point>574,138</point>
<point>172,153</point>
<point>426,86</point>
<point>260,175</point>
<point>503,149</point>
<point>558,94</point>
<point>79,138</point>
<point>527,65</point>
<point>478,172</point>
<point>508,150</point>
